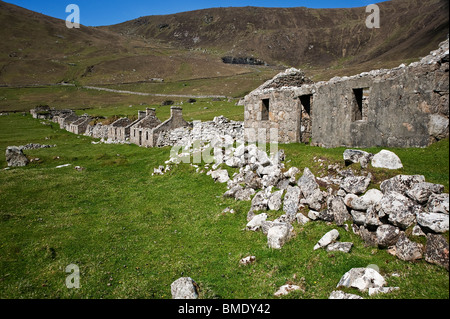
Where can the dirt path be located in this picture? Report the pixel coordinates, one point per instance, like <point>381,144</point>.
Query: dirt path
<point>154,94</point>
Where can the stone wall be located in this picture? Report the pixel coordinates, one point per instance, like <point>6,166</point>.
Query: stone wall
<point>402,107</point>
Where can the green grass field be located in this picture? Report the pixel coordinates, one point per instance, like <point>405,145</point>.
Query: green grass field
<point>132,234</point>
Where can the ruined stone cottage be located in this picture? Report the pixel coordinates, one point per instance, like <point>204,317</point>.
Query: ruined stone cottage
<point>402,107</point>
<point>80,125</point>
<point>141,131</point>
<point>120,130</point>
<point>147,130</point>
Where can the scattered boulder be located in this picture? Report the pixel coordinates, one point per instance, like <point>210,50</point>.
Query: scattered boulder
<point>15,157</point>
<point>437,250</point>
<point>354,202</point>
<point>386,159</point>
<point>255,223</point>
<point>244,194</point>
<point>184,288</point>
<point>286,289</point>
<point>259,201</point>
<point>357,156</point>
<point>344,247</point>
<point>278,235</point>
<point>370,238</point>
<point>307,183</point>
<point>275,202</point>
<point>291,200</point>
<point>372,197</point>
<point>247,260</point>
<point>327,239</point>
<point>382,290</point>
<point>362,279</point>
<point>302,219</point>
<point>220,176</point>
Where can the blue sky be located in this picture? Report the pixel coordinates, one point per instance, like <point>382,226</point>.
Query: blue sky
<point>102,12</point>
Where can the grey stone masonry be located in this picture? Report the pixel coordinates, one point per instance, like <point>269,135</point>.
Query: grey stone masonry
<point>405,106</point>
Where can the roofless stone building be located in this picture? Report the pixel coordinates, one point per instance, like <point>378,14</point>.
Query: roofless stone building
<point>402,107</point>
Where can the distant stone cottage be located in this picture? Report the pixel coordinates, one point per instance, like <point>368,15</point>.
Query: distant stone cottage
<point>403,107</point>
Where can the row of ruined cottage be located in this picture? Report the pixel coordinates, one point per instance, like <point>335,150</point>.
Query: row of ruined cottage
<point>144,131</point>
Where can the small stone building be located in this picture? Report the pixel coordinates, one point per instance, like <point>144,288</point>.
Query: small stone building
<point>79,126</point>
<point>147,130</point>
<point>402,107</point>
<point>141,130</point>
<point>120,130</point>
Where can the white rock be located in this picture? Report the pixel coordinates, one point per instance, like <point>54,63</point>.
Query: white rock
<point>247,260</point>
<point>327,239</point>
<point>278,235</point>
<point>184,288</point>
<point>286,289</point>
<point>255,223</point>
<point>220,176</point>
<point>65,165</point>
<point>437,222</point>
<point>362,279</point>
<point>386,159</point>
<point>372,197</point>
<point>302,219</point>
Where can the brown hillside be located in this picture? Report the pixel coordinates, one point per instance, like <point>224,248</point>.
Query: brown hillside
<point>300,36</point>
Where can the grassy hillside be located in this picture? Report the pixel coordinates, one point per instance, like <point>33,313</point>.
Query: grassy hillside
<point>133,234</point>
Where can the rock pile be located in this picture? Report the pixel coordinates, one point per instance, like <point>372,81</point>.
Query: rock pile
<point>382,218</point>
<point>220,130</point>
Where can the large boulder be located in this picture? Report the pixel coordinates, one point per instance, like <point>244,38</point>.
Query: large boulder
<point>184,288</point>
<point>401,183</point>
<point>387,235</point>
<point>386,159</point>
<point>356,184</point>
<point>421,192</point>
<point>292,200</point>
<point>437,250</point>
<point>437,222</point>
<point>15,157</point>
<point>278,235</point>
<point>408,250</point>
<point>357,156</point>
<point>401,211</point>
<point>338,210</point>
<point>307,183</point>
<point>438,203</point>
<point>362,279</point>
